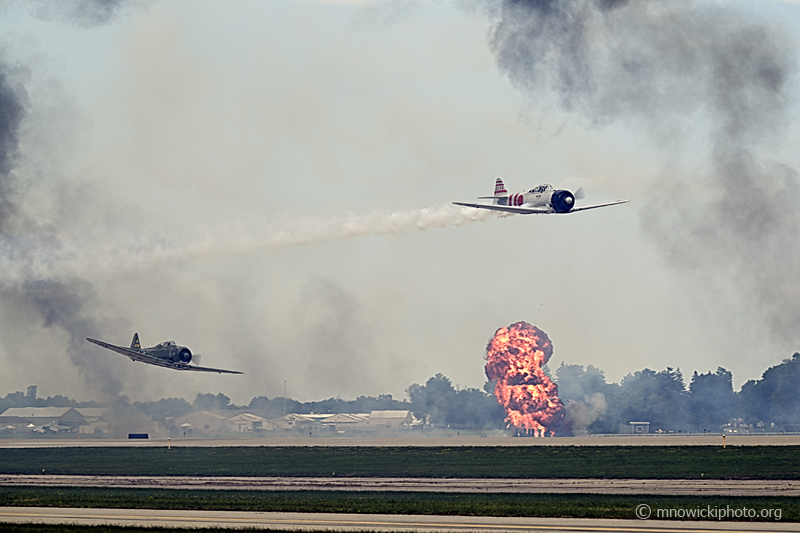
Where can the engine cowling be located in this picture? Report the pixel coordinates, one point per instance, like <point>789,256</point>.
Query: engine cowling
<point>185,355</point>
<point>563,201</point>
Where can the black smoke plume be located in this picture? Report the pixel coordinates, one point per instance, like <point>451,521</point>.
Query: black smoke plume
<point>713,87</point>
<point>12,109</point>
<point>66,305</point>
<point>81,13</point>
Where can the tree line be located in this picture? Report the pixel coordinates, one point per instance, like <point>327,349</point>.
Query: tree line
<point>593,405</point>
<point>707,403</point>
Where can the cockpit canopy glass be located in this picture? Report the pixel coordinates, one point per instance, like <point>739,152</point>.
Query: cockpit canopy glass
<point>541,188</point>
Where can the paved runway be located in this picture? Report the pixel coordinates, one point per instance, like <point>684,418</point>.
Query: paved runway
<point>594,440</point>
<point>354,522</point>
<point>670,487</point>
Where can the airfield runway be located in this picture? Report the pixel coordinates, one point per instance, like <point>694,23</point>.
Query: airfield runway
<point>671,487</point>
<point>603,440</point>
<point>354,522</point>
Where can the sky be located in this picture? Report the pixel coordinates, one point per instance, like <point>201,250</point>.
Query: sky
<point>270,184</point>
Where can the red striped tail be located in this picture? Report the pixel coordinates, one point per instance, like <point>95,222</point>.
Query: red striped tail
<point>499,188</point>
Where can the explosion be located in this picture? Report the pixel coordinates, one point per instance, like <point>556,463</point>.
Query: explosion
<point>515,357</point>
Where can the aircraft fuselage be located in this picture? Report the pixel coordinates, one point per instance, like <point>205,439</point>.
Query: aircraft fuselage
<point>170,352</point>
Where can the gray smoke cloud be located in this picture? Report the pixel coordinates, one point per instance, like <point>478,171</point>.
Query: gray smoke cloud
<point>705,81</point>
<point>713,87</point>
<point>64,305</point>
<point>67,305</point>
<point>81,13</point>
<point>12,108</point>
<point>337,341</point>
<point>241,238</point>
<point>580,414</point>
<point>64,259</point>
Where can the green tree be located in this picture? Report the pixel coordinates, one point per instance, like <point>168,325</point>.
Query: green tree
<point>656,397</point>
<point>444,405</point>
<point>775,397</point>
<point>277,405</point>
<point>211,402</point>
<point>164,408</point>
<point>712,401</point>
<point>433,399</point>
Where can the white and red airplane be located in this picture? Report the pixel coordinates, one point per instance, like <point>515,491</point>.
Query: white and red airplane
<point>541,200</point>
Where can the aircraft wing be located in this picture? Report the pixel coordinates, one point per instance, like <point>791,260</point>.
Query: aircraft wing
<point>204,369</point>
<point>543,210</point>
<point>144,358</point>
<point>593,206</point>
<point>511,209</point>
<point>127,352</point>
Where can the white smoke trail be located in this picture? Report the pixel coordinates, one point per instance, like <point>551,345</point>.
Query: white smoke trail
<point>244,239</point>
<point>316,230</point>
<point>580,414</point>
<point>27,258</point>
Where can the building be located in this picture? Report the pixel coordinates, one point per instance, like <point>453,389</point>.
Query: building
<point>65,419</point>
<point>635,428</point>
<point>14,424</point>
<point>343,422</point>
<point>201,421</point>
<point>96,422</point>
<point>297,421</point>
<point>245,422</point>
<point>390,419</point>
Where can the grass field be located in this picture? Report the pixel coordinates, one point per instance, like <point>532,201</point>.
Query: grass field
<point>418,503</point>
<point>646,462</point>
<point>669,462</point>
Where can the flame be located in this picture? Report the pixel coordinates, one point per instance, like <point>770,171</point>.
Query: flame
<point>515,357</point>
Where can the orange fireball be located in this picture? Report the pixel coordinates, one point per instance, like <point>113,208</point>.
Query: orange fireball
<point>515,357</point>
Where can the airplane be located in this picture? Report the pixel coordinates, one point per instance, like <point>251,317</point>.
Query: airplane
<point>541,200</point>
<point>167,354</point>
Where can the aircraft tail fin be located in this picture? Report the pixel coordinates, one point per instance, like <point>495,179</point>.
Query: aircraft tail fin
<point>499,189</point>
<point>500,196</point>
<point>135,345</point>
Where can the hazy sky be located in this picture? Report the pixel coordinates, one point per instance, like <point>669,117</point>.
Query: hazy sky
<point>269,183</point>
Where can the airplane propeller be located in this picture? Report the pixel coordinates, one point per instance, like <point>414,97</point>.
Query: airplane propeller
<point>579,194</point>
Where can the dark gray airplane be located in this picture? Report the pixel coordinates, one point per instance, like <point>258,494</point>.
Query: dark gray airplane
<point>167,354</point>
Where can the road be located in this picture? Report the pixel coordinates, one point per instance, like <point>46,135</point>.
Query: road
<point>594,440</point>
<point>354,522</point>
<point>669,487</point>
